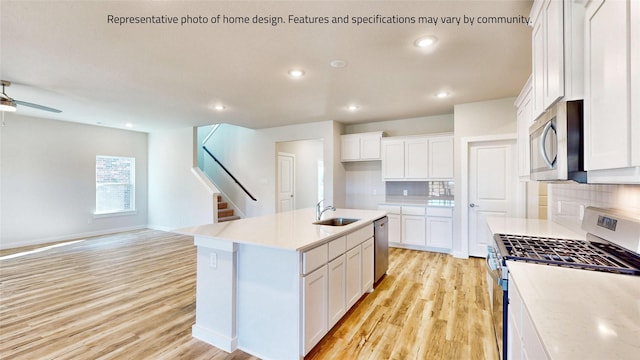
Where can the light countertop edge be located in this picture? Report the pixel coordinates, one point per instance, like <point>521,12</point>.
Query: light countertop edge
<point>290,230</point>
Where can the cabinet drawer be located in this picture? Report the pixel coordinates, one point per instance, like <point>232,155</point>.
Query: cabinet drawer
<point>314,258</point>
<point>391,209</point>
<point>359,236</point>
<point>413,210</point>
<point>337,247</point>
<point>438,211</point>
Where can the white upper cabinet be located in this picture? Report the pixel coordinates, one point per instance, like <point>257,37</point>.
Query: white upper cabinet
<point>441,157</point>
<point>525,119</point>
<point>612,123</point>
<point>360,147</point>
<point>557,53</point>
<point>417,158</point>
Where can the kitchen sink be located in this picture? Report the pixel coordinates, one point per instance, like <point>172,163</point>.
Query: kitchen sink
<point>336,221</point>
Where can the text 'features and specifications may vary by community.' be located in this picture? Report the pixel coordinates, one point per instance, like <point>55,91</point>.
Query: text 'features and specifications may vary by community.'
<point>271,20</point>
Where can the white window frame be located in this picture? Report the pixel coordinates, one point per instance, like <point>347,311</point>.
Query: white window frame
<point>132,179</point>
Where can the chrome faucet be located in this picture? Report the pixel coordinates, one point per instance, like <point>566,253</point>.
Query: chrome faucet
<point>320,212</point>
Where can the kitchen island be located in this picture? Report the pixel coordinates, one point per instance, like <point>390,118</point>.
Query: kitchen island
<point>274,285</point>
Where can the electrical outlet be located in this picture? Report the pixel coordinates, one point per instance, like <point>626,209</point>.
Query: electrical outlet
<point>559,207</point>
<point>405,192</point>
<point>213,260</point>
<point>581,212</point>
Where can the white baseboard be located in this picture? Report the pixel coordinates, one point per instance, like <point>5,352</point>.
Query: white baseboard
<point>213,338</point>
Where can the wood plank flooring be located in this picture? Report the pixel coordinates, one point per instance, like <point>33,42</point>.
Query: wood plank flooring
<point>132,296</point>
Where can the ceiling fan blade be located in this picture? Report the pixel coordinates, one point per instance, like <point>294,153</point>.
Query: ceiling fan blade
<point>36,106</point>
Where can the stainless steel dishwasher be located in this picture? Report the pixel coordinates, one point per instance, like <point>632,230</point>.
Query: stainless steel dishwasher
<point>381,253</point>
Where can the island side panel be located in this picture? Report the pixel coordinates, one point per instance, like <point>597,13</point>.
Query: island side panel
<point>216,293</point>
<point>269,302</point>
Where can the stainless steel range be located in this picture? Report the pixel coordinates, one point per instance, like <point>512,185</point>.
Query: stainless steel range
<point>612,245</point>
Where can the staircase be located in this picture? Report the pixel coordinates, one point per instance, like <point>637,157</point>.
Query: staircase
<point>224,212</point>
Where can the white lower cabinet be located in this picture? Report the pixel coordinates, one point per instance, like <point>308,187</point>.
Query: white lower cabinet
<point>522,338</point>
<point>315,307</point>
<point>419,227</point>
<point>334,276</point>
<point>337,289</point>
<point>440,232</point>
<point>414,230</point>
<point>354,275</point>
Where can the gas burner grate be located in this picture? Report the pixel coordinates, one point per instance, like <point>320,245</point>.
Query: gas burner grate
<point>568,253</point>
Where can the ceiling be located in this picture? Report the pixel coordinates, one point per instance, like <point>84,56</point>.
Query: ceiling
<point>66,55</point>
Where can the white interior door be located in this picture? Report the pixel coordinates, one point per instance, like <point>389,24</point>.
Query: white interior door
<point>493,189</point>
<point>286,181</point>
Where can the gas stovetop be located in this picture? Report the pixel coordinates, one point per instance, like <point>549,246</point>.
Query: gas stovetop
<point>589,255</point>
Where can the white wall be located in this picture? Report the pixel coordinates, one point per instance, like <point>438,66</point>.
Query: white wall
<point>47,179</point>
<point>250,155</point>
<point>494,117</point>
<point>177,198</point>
<point>307,155</point>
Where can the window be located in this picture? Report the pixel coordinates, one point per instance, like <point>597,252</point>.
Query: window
<point>115,184</point>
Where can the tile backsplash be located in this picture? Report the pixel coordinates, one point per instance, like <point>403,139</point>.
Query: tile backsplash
<point>567,200</point>
<point>420,188</point>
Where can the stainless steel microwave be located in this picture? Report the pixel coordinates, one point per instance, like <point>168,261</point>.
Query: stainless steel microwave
<point>556,141</point>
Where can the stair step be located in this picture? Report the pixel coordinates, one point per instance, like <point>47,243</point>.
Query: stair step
<point>224,213</point>
<point>228,218</point>
<point>222,205</point>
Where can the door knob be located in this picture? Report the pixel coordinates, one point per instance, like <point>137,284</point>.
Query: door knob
<point>474,205</point>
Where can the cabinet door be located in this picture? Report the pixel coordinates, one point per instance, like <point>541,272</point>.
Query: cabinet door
<point>538,54</point>
<point>524,121</point>
<point>606,106</point>
<point>367,265</point>
<point>393,159</point>
<point>553,17</point>
<point>337,290</point>
<point>315,307</point>
<point>395,229</point>
<point>413,230</point>
<point>441,158</point>
<point>354,275</point>
<point>415,158</point>
<point>369,147</point>
<point>440,232</point>
<point>350,147</point>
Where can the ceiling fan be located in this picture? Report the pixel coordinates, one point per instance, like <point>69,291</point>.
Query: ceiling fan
<point>9,104</point>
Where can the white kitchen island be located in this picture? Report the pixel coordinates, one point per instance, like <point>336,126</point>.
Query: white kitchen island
<point>273,286</point>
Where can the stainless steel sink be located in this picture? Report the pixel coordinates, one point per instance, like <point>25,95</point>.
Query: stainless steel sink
<point>336,221</point>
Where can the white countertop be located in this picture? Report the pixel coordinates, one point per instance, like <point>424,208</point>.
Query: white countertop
<point>581,314</point>
<point>291,230</point>
<point>531,227</point>
<point>578,314</point>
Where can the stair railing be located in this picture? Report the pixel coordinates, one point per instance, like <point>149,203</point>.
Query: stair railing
<point>225,169</point>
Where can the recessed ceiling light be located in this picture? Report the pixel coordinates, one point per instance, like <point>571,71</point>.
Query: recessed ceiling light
<point>338,64</point>
<point>219,107</point>
<point>442,94</point>
<point>129,125</point>
<point>296,73</point>
<point>353,107</point>
<point>425,41</point>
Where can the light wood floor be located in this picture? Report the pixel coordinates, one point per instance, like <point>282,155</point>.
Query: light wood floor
<point>132,296</point>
